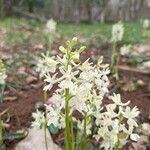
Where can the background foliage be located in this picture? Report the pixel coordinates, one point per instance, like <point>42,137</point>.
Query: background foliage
<point>77,10</point>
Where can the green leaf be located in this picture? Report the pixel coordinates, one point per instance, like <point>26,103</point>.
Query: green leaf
<point>2,147</point>
<point>91,146</point>
<point>52,129</point>
<point>138,59</point>
<point>74,41</point>
<point>14,135</point>
<point>123,135</point>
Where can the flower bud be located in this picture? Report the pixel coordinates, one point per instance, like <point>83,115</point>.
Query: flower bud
<point>146,24</point>
<point>62,49</point>
<point>76,56</point>
<point>74,40</point>
<point>82,49</point>
<point>100,60</point>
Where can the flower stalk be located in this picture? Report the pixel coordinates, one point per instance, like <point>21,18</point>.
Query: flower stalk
<point>1,132</point>
<point>69,142</point>
<point>115,61</point>
<point>85,144</point>
<point>45,123</point>
<point>117,145</point>
<point>45,134</point>
<point>117,35</point>
<point>68,133</point>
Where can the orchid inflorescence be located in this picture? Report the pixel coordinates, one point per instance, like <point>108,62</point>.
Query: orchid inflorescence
<point>50,26</point>
<point>81,88</point>
<point>146,24</point>
<point>117,32</point>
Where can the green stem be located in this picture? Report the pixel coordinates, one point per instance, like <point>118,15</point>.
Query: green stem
<point>2,88</point>
<point>45,125</point>
<point>117,144</point>
<point>72,133</point>
<point>76,142</point>
<point>114,61</point>
<point>85,145</point>
<point>118,140</point>
<point>113,56</point>
<point>117,64</point>
<point>49,42</point>
<point>1,132</point>
<point>45,135</point>
<point>1,95</point>
<point>45,97</point>
<point>69,137</point>
<point>68,141</point>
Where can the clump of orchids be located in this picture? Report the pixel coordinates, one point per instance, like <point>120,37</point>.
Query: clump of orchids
<point>3,77</point>
<point>117,36</point>
<point>81,89</point>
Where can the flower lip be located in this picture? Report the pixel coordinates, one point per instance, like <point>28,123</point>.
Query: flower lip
<point>50,101</point>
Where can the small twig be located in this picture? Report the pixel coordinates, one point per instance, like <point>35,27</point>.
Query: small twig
<point>6,125</point>
<point>3,112</point>
<point>17,118</point>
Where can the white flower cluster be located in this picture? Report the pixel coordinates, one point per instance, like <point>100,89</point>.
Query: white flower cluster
<point>117,123</point>
<point>45,64</point>
<point>117,32</point>
<point>3,75</point>
<point>50,26</point>
<point>125,49</point>
<point>146,24</point>
<point>39,119</point>
<point>86,84</point>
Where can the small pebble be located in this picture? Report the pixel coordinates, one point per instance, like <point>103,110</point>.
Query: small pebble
<point>146,129</point>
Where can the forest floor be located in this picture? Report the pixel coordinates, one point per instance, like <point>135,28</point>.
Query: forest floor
<point>20,42</point>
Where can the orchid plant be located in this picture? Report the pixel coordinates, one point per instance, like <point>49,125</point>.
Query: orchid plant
<point>117,35</point>
<point>49,32</point>
<point>3,77</point>
<point>81,89</point>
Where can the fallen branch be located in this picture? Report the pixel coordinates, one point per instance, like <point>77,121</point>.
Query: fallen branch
<point>126,68</point>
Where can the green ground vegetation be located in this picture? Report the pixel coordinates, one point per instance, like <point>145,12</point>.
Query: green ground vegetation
<point>133,30</point>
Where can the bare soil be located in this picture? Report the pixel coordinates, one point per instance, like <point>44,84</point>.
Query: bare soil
<point>21,109</point>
